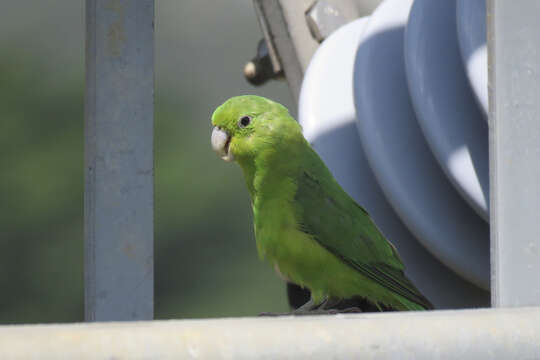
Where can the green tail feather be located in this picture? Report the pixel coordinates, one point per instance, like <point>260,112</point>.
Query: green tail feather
<point>410,305</point>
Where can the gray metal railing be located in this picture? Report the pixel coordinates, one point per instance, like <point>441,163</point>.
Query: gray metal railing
<point>118,218</point>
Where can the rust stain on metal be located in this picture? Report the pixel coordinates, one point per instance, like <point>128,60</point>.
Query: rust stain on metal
<point>116,36</point>
<point>129,250</point>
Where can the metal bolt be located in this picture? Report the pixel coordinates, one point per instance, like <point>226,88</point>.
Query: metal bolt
<point>323,18</point>
<point>259,70</point>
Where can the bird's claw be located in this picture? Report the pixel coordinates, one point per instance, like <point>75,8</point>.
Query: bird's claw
<point>350,310</point>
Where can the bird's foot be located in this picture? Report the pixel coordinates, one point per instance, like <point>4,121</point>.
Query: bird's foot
<point>351,310</point>
<point>301,313</point>
<point>307,307</point>
<point>327,307</point>
<point>317,312</point>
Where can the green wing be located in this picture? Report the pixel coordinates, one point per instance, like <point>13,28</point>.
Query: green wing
<point>345,229</point>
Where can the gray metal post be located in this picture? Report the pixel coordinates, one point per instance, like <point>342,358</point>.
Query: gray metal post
<point>279,38</point>
<point>514,83</point>
<point>119,172</point>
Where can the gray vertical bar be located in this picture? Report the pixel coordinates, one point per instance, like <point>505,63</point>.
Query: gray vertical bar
<point>119,172</point>
<point>514,83</point>
<point>279,37</point>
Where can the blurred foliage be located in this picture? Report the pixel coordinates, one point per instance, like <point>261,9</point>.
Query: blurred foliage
<point>205,258</point>
<point>41,194</point>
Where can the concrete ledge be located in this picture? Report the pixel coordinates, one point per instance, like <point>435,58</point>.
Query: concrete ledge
<point>465,334</point>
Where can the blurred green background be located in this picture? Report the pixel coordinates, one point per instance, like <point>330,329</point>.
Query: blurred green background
<point>206,263</point>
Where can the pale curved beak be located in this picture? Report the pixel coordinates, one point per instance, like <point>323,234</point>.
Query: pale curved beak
<point>220,143</point>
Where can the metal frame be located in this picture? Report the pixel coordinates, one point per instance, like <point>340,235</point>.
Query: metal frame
<point>289,30</point>
<point>274,18</point>
<point>119,163</point>
<point>514,64</point>
<point>460,334</point>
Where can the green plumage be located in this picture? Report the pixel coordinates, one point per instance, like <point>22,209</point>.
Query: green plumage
<point>306,225</point>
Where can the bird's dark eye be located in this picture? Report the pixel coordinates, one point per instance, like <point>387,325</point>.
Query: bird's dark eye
<point>244,121</point>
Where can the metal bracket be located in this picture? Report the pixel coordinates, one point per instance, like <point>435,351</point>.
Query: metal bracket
<point>293,30</point>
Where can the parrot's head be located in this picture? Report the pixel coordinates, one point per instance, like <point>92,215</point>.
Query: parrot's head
<point>245,126</point>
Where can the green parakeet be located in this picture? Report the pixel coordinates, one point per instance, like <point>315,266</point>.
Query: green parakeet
<point>305,224</point>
